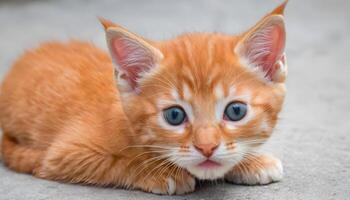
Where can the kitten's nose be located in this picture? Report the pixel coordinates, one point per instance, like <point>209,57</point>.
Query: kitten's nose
<point>206,139</point>
<point>206,149</point>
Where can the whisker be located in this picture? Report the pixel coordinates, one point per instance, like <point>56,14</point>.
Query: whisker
<point>146,153</point>
<point>148,163</point>
<point>149,146</point>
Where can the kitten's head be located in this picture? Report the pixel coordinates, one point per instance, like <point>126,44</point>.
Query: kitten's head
<point>203,101</point>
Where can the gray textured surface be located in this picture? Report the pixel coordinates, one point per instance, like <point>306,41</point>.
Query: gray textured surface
<point>313,137</point>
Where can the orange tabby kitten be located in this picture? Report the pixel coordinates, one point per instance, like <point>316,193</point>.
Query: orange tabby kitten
<point>168,112</point>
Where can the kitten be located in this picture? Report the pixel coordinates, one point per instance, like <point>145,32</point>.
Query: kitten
<point>196,106</point>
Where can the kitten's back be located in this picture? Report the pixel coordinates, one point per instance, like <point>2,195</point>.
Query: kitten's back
<point>53,84</point>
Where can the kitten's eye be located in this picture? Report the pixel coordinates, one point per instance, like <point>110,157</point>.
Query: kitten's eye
<point>235,111</point>
<point>174,115</point>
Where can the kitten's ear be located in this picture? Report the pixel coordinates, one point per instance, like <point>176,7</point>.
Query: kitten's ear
<point>132,55</point>
<point>262,47</point>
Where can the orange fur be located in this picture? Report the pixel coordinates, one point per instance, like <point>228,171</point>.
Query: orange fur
<point>64,119</point>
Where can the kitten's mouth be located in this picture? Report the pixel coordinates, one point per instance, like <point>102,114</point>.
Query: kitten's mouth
<point>209,164</point>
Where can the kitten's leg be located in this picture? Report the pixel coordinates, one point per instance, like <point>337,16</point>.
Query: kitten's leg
<point>80,162</point>
<point>166,180</point>
<point>86,163</point>
<point>256,170</point>
<point>19,157</point>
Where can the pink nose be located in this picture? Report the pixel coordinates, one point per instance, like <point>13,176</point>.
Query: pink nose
<point>206,149</point>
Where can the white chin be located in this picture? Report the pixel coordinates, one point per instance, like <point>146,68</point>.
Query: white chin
<point>209,173</point>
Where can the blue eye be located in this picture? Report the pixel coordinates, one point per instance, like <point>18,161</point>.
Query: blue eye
<point>235,111</point>
<point>174,115</point>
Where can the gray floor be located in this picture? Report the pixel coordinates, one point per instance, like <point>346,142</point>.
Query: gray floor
<point>313,137</point>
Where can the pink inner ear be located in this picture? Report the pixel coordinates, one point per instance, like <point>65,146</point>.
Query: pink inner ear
<point>132,59</point>
<point>266,48</point>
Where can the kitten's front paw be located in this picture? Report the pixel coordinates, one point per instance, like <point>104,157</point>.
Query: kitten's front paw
<point>181,185</point>
<point>256,170</point>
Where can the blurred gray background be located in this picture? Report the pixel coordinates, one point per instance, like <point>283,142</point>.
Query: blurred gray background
<point>313,136</point>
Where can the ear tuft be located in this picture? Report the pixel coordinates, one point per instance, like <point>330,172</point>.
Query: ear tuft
<point>280,9</point>
<point>106,23</point>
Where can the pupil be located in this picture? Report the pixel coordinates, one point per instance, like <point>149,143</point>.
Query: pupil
<point>174,114</point>
<point>236,110</point>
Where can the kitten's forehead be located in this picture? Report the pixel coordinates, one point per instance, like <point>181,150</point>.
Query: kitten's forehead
<point>201,60</point>
<point>199,50</point>
<point>216,91</point>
